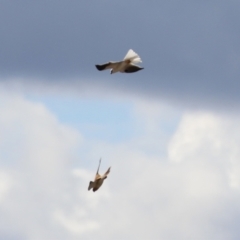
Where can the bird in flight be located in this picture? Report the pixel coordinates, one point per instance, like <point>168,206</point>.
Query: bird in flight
<point>98,179</point>
<point>125,66</point>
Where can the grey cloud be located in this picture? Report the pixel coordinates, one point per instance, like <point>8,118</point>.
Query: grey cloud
<point>190,49</point>
<point>11,237</point>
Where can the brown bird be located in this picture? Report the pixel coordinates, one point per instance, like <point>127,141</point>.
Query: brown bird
<point>98,179</point>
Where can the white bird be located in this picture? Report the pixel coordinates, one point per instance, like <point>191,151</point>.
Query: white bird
<point>127,65</point>
<point>98,179</point>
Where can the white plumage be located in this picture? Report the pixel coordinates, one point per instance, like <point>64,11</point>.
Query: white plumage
<point>127,65</point>
<point>132,56</point>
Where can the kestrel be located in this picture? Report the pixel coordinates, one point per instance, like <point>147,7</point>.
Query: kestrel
<point>125,66</point>
<point>98,179</point>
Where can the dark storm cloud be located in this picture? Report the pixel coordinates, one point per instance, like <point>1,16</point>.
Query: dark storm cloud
<point>189,48</point>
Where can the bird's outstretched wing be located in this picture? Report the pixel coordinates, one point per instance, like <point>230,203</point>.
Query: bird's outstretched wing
<point>132,56</point>
<point>97,174</point>
<point>105,66</point>
<point>107,172</point>
<point>132,68</point>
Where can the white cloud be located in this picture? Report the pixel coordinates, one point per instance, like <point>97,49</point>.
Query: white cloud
<point>208,139</point>
<point>186,196</point>
<point>5,185</point>
<point>36,157</point>
<point>197,132</point>
<point>180,183</point>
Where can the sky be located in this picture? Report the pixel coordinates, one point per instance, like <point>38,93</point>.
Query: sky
<point>170,132</point>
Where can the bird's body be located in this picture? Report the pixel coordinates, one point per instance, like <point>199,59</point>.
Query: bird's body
<point>98,181</point>
<point>127,65</point>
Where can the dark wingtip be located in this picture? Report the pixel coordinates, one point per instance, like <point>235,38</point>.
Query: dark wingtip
<point>102,67</point>
<point>89,186</point>
<point>99,67</point>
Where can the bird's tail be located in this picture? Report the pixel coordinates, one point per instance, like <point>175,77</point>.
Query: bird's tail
<point>132,56</point>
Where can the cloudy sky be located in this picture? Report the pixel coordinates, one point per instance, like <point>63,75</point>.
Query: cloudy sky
<point>170,133</point>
